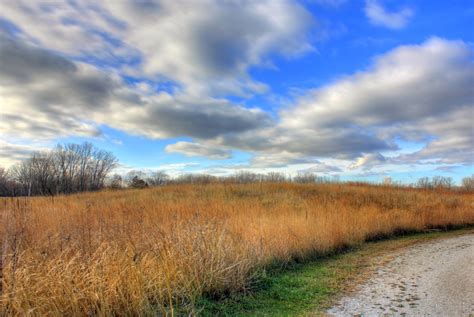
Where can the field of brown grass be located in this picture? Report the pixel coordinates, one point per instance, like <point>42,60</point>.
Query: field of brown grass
<point>157,251</point>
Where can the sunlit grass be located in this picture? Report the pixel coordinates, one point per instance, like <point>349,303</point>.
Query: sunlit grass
<point>143,252</point>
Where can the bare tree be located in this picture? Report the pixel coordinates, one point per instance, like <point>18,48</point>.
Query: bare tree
<point>7,187</point>
<point>468,183</point>
<point>435,182</point>
<point>275,177</point>
<point>115,182</point>
<point>158,178</point>
<point>66,169</point>
<point>425,183</point>
<point>244,177</point>
<point>442,182</point>
<point>305,178</point>
<point>195,179</point>
<point>100,166</point>
<point>134,178</point>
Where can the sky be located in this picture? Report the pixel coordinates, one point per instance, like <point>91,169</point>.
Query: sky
<point>353,89</point>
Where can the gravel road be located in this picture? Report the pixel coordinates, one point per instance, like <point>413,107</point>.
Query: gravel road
<point>429,279</point>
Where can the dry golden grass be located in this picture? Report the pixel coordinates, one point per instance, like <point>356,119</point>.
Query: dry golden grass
<point>143,252</point>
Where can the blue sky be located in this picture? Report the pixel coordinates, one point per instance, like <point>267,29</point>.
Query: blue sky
<point>355,89</point>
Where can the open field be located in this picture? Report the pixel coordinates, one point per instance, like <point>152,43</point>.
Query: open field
<point>163,249</point>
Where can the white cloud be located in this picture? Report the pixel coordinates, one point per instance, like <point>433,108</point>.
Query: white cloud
<point>280,159</point>
<point>172,169</point>
<point>204,46</point>
<point>331,3</point>
<point>420,92</point>
<point>10,153</point>
<point>45,96</point>
<point>453,138</point>
<point>378,15</point>
<point>323,168</point>
<point>409,93</point>
<point>417,93</point>
<point>368,161</point>
<point>196,149</point>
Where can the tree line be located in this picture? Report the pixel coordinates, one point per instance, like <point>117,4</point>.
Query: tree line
<point>142,179</point>
<point>72,168</point>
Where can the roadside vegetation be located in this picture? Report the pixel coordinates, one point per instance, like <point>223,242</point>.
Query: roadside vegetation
<point>178,248</point>
<point>310,288</point>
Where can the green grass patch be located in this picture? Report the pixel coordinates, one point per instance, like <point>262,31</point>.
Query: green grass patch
<point>309,288</point>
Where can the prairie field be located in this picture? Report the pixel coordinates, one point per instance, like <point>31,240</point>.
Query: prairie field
<point>159,250</point>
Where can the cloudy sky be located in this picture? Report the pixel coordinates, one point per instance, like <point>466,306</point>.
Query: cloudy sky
<point>349,88</point>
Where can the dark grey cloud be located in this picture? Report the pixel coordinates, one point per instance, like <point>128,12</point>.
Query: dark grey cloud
<point>14,151</point>
<point>21,63</point>
<point>11,152</point>
<point>341,143</point>
<point>226,49</point>
<point>49,79</point>
<point>203,120</point>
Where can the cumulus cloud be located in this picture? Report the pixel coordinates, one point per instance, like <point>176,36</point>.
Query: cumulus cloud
<point>217,40</point>
<point>419,93</point>
<point>45,96</point>
<point>409,93</point>
<point>205,46</point>
<point>452,138</point>
<point>196,149</point>
<point>415,92</point>
<point>409,83</point>
<point>49,86</point>
<point>205,54</point>
<point>378,15</point>
<point>343,142</point>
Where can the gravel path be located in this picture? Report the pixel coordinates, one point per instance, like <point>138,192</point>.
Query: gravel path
<point>429,279</point>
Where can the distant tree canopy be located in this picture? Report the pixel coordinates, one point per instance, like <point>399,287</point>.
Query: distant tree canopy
<point>68,168</point>
<point>72,168</point>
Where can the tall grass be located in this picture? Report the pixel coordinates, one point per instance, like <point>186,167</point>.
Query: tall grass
<point>156,251</point>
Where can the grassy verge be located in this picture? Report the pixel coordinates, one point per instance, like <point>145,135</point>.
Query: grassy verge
<point>309,288</point>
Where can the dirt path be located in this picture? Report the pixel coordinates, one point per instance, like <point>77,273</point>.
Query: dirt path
<point>429,279</point>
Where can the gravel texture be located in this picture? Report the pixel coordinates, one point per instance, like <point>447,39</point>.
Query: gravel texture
<point>430,279</point>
